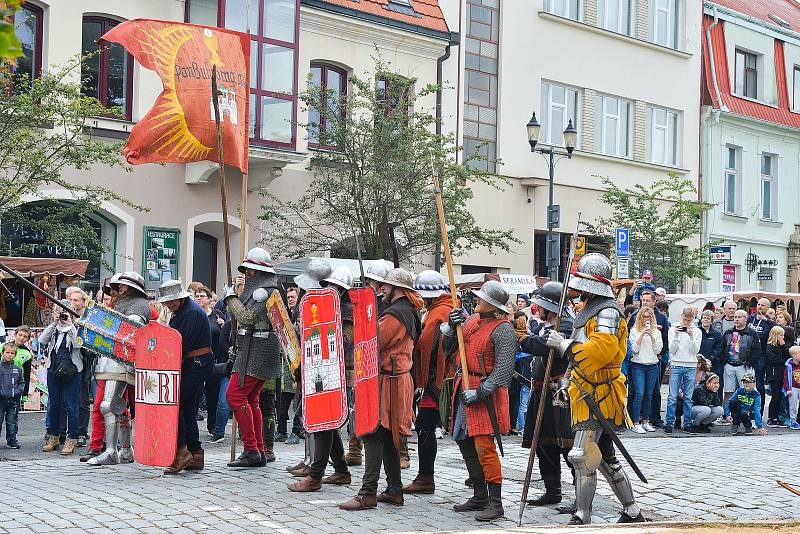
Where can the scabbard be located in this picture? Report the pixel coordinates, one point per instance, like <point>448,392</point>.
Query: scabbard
<point>393,394</point>
<point>495,425</point>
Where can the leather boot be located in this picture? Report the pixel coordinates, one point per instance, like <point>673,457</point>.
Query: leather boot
<point>478,501</point>
<point>51,443</point>
<point>246,459</point>
<point>338,479</point>
<point>69,447</point>
<point>405,459</point>
<point>306,485</point>
<point>269,453</point>
<point>296,466</point>
<point>360,502</point>
<point>495,508</point>
<point>423,484</point>
<point>552,494</point>
<point>263,461</point>
<point>91,453</point>
<point>198,461</point>
<point>354,456</point>
<point>391,496</point>
<point>182,459</point>
<point>570,508</point>
<point>301,472</point>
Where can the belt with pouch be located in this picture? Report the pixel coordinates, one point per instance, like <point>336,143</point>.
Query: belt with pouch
<point>255,333</point>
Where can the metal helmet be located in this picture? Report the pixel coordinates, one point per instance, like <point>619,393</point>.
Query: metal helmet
<point>549,296</point>
<point>171,290</point>
<point>318,269</point>
<point>494,293</point>
<point>430,284</point>
<point>378,270</point>
<point>399,277</point>
<point>593,276</point>
<point>131,279</point>
<point>259,260</point>
<point>342,277</point>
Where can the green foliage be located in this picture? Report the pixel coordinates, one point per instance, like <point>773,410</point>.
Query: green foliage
<point>660,217</point>
<point>377,151</point>
<point>44,130</point>
<point>10,48</point>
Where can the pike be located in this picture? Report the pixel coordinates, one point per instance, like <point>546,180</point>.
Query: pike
<point>537,429</point>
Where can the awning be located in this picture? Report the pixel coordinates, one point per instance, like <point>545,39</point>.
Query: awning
<point>295,267</point>
<point>28,267</point>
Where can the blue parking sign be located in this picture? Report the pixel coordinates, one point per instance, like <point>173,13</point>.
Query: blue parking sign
<point>623,242</point>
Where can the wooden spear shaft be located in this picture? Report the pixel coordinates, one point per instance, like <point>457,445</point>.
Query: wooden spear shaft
<point>437,190</point>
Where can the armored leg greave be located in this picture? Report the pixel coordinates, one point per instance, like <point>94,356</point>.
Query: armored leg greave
<point>620,484</point>
<point>112,403</point>
<point>585,472</point>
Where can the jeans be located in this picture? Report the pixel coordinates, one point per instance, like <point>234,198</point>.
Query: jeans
<point>655,410</point>
<point>223,411</point>
<point>194,373</point>
<point>212,400</point>
<point>63,395</point>
<point>524,400</point>
<point>9,410</point>
<point>680,378</point>
<point>643,379</point>
<point>740,414</point>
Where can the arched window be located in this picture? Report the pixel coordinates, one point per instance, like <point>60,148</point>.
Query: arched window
<point>28,28</point>
<point>108,74</point>
<point>332,81</point>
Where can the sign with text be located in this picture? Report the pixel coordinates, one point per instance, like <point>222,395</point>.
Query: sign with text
<point>516,284</point>
<point>622,240</point>
<point>765,275</point>
<point>721,254</point>
<point>161,251</point>
<point>623,270</point>
<point>728,278</point>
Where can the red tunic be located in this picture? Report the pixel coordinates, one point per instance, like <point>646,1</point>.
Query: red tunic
<point>437,314</point>
<point>477,338</point>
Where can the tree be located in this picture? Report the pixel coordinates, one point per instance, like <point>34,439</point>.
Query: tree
<point>10,48</point>
<point>44,129</point>
<point>372,170</point>
<point>660,217</point>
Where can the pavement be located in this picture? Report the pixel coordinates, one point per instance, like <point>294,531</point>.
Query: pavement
<point>707,478</point>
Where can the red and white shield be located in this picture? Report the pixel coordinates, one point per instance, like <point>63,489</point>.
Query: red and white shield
<point>158,384</point>
<point>367,407</point>
<point>323,371</point>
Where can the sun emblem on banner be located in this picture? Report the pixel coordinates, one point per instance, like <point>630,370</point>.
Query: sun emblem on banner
<point>150,385</point>
<point>164,45</point>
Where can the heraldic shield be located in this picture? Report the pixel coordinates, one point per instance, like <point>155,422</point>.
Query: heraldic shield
<point>367,406</point>
<point>108,333</point>
<point>324,393</point>
<point>158,384</point>
<point>283,327</point>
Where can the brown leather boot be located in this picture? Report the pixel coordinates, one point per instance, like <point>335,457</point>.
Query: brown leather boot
<point>405,459</point>
<point>360,502</point>
<point>353,456</point>
<point>301,472</point>
<point>51,443</point>
<point>423,484</point>
<point>269,454</point>
<point>391,497</point>
<point>296,466</point>
<point>182,459</point>
<point>69,447</point>
<point>306,485</point>
<point>340,479</point>
<point>198,461</point>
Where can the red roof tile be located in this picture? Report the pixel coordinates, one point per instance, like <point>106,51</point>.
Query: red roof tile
<point>742,106</point>
<point>788,10</point>
<point>430,14</point>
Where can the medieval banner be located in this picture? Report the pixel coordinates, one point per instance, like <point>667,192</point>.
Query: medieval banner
<point>180,127</point>
<point>367,409</point>
<point>323,371</point>
<point>287,337</point>
<point>158,384</point>
<point>108,333</point>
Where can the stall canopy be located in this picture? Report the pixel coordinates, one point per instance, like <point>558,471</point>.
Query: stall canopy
<point>28,267</point>
<point>295,267</point>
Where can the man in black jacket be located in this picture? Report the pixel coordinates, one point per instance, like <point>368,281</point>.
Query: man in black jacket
<point>741,349</point>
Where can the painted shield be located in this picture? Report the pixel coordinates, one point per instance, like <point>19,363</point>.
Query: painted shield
<point>324,393</point>
<point>108,333</point>
<point>158,384</point>
<point>282,325</point>
<point>367,405</point>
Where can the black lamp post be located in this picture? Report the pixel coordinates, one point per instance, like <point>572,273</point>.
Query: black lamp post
<point>553,212</point>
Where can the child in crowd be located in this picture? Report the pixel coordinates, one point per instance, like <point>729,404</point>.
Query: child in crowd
<point>11,388</point>
<point>705,406</point>
<point>744,407</point>
<point>791,385</point>
<point>22,359</point>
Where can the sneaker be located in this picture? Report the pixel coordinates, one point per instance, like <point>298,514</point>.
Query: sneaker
<point>648,427</point>
<point>637,429</point>
<point>783,423</point>
<point>280,437</point>
<point>439,432</point>
<point>657,424</point>
<point>734,430</point>
<point>773,423</point>
<point>81,441</point>
<point>690,430</point>
<point>668,429</point>
<point>794,425</point>
<point>721,422</point>
<point>748,431</point>
<point>215,438</point>
<point>14,445</point>
<point>292,439</point>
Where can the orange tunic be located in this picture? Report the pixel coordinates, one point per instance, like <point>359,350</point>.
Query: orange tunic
<point>395,342</point>
<point>437,314</point>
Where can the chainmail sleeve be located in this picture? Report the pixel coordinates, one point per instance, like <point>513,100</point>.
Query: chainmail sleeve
<point>243,316</point>
<point>505,343</point>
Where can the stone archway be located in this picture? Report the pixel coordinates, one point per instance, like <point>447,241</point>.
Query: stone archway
<point>211,224</point>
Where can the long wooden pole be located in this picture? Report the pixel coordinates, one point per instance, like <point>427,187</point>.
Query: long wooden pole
<point>437,191</point>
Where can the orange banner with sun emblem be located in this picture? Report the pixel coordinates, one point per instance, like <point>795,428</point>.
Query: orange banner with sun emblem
<point>180,126</point>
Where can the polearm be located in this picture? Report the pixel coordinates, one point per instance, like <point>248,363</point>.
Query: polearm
<point>225,231</point>
<point>437,192</point>
<point>537,429</point>
<point>27,283</point>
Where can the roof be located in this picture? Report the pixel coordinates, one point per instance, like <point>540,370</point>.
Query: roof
<point>28,267</point>
<point>423,13</point>
<point>786,10</point>
<point>742,106</point>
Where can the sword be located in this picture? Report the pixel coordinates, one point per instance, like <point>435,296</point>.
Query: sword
<point>522,379</point>
<point>595,410</point>
<point>495,425</point>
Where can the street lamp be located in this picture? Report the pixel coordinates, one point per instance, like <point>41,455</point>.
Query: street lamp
<point>553,212</point>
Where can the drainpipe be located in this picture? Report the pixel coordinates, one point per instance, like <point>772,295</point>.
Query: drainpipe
<point>722,105</point>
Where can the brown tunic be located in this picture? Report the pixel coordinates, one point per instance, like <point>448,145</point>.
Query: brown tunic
<point>395,342</point>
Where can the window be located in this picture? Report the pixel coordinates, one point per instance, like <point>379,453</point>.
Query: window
<point>564,8</point>
<point>796,88</point>
<point>559,106</point>
<point>768,184</point>
<point>746,74</point>
<point>108,74</point>
<point>664,22</point>
<point>733,180</point>
<point>203,12</point>
<point>28,28</point>
<point>391,96</point>
<point>617,16</point>
<point>273,26</point>
<point>615,125</point>
<point>662,136</point>
<point>333,83</point>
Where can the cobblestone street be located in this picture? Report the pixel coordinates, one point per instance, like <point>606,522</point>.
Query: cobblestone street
<point>716,478</point>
